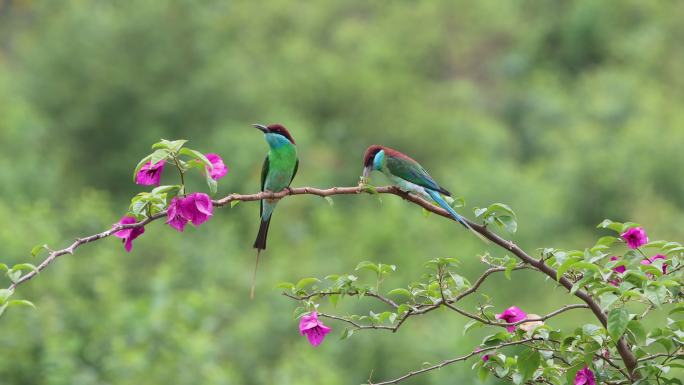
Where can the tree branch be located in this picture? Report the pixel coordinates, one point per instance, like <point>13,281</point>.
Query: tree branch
<point>349,293</point>
<point>355,324</point>
<point>622,347</point>
<point>451,361</point>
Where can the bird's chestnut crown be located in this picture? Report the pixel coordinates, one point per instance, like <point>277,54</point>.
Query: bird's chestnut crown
<point>370,154</point>
<point>281,130</point>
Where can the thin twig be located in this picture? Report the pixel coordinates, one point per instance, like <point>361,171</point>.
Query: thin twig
<point>349,293</point>
<point>355,324</point>
<point>451,361</point>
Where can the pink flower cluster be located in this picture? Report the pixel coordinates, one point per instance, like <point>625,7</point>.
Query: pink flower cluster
<point>196,208</point>
<point>635,238</point>
<point>128,235</point>
<point>584,377</point>
<point>511,315</point>
<point>150,174</point>
<point>313,328</point>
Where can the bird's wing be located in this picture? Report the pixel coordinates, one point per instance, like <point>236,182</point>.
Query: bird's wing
<point>413,172</point>
<point>295,171</point>
<point>264,173</point>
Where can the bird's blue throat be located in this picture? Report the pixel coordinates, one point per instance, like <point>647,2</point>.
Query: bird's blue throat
<point>276,140</point>
<point>378,160</point>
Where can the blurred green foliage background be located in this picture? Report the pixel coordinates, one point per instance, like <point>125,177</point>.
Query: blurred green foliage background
<point>569,111</point>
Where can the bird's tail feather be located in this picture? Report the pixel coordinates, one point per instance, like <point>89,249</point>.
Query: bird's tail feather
<point>442,203</point>
<point>259,244</point>
<point>256,266</point>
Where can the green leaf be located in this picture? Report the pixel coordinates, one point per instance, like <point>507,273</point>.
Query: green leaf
<point>528,363</point>
<point>299,311</point>
<point>608,224</point>
<point>586,266</point>
<point>138,207</point>
<point>305,282</point>
<point>211,183</point>
<point>617,323</point>
<point>471,325</point>
<point>656,294</point>
<point>177,144</point>
<point>501,371</point>
<point>607,299</point>
<point>171,145</point>
<point>285,285</point>
<point>606,241</point>
<point>400,291</point>
<point>4,295</point>
<point>509,268</point>
<point>637,330</point>
<point>482,374</point>
<point>678,309</point>
<point>403,308</point>
<point>346,333</point>
<point>368,266</point>
<point>334,299</point>
<point>497,338</point>
<point>165,189</point>
<point>501,208</point>
<point>140,164</point>
<point>584,281</point>
<point>25,266</point>
<point>197,155</point>
<point>37,249</point>
<point>14,275</point>
<point>159,155</point>
<point>565,266</point>
<point>508,223</point>
<point>479,211</point>
<point>20,302</point>
<point>330,201</point>
<point>3,267</point>
<point>234,203</point>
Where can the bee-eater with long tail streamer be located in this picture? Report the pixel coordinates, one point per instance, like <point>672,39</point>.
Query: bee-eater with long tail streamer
<point>407,174</point>
<point>280,167</point>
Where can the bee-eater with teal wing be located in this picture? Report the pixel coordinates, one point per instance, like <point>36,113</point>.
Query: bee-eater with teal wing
<point>407,174</point>
<point>278,171</point>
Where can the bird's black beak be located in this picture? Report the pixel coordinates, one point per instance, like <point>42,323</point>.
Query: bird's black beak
<point>366,173</point>
<point>261,128</point>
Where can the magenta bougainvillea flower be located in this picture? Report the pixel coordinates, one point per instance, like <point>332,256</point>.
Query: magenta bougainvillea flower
<point>313,328</point>
<point>219,169</point>
<point>635,237</point>
<point>510,315</point>
<point>196,208</point>
<point>128,235</point>
<point>175,218</point>
<point>618,269</point>
<point>585,377</point>
<point>648,261</point>
<point>150,174</point>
